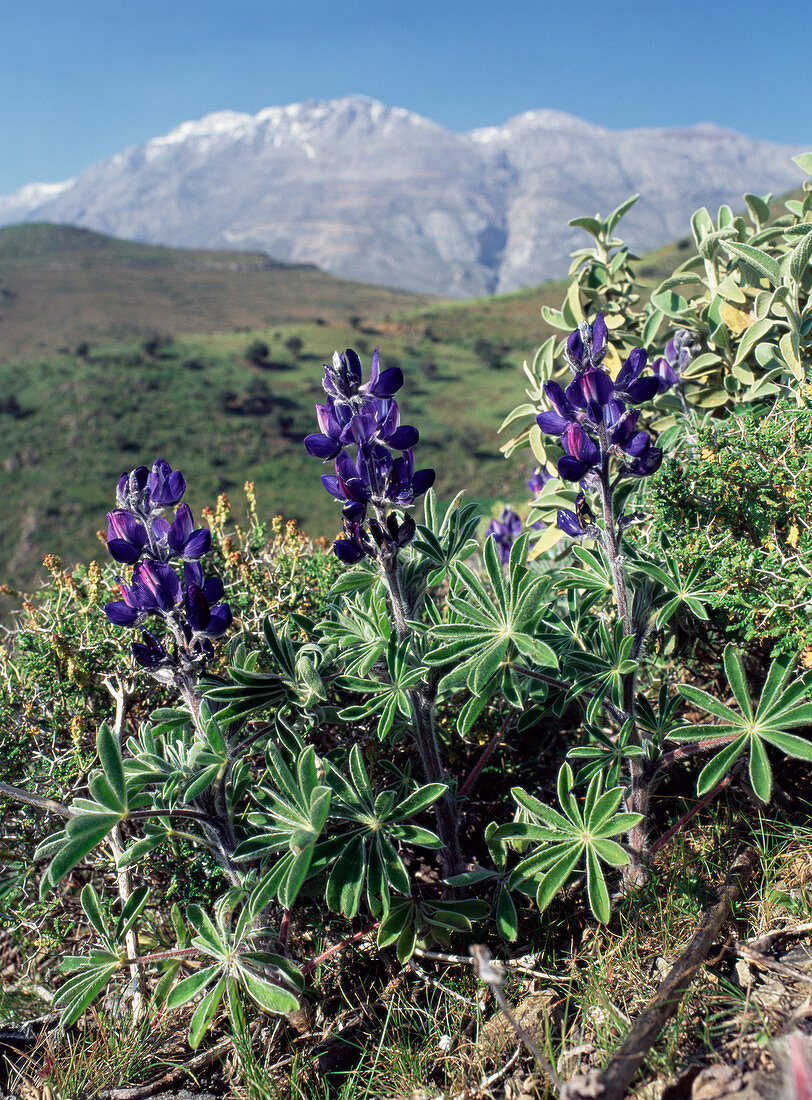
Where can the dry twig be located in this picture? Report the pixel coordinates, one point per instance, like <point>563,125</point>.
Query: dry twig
<point>612,1083</point>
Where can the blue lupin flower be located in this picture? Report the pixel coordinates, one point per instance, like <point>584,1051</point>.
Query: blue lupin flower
<point>364,416</point>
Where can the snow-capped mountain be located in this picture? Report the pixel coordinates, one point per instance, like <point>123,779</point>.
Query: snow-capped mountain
<point>383,195</point>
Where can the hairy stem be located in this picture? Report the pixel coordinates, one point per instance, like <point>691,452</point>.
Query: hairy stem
<point>120,693</point>
<point>425,732</point>
<point>635,873</point>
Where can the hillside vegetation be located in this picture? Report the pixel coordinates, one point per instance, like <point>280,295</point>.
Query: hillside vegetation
<point>114,353</point>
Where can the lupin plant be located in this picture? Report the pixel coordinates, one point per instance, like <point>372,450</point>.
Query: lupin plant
<point>424,617</point>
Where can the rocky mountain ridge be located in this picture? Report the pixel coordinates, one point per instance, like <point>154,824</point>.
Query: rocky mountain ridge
<point>383,195</point>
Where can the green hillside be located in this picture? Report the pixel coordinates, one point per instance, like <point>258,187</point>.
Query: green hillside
<point>114,353</point>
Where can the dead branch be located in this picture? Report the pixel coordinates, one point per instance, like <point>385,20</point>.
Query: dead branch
<point>612,1083</point>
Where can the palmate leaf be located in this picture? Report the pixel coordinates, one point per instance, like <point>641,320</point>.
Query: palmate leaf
<point>605,754</point>
<point>77,840</point>
<point>492,627</point>
<point>234,941</point>
<point>678,591</point>
<point>366,855</point>
<point>443,541</point>
<point>91,975</point>
<point>779,709</point>
<point>578,838</point>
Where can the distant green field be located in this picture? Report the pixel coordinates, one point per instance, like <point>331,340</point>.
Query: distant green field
<point>115,353</point>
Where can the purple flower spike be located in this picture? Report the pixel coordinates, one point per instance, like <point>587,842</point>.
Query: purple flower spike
<point>126,536</point>
<point>166,486</point>
<point>504,532</point>
<point>538,479</point>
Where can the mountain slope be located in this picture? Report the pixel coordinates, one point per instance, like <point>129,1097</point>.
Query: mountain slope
<point>385,196</point>
<point>61,286</point>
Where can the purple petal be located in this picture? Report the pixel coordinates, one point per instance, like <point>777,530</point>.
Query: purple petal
<point>321,446</point>
<point>643,389</point>
<point>220,620</point>
<point>198,544</point>
<point>577,443</point>
<point>551,423</point>
<point>389,382</point>
<point>637,445</point>
<point>571,469</point>
<point>403,438</point>
<point>422,480</point>
<point>631,369</point>
<point>569,523</point>
<point>197,608</point>
<point>353,363</point>
<point>648,464</point>
<point>558,399</point>
<point>574,351</point>
<point>600,336</point>
<point>213,589</point>
<point>333,486</point>
<point>347,551</point>
<point>120,614</point>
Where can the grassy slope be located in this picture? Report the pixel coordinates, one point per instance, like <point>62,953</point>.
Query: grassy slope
<point>71,423</point>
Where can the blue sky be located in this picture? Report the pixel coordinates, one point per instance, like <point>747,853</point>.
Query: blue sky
<point>82,79</point>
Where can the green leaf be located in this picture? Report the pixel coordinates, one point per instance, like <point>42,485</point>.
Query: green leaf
<point>207,935</point>
<point>111,762</point>
<point>799,260</point>
<point>273,999</point>
<point>188,988</point>
<point>204,1012</point>
<point>296,876</point>
<point>761,775</point>
<point>131,911</point>
<point>393,923</point>
<point>507,919</point>
<point>404,949</point>
<point>346,880</point>
<point>763,263</point>
<point>709,703</point>
<point>619,211</point>
<point>557,876</point>
<point>417,801</point>
<point>717,768</point>
<point>596,887</point>
<point>804,161</point>
<point>201,782</point>
<point>94,913</point>
<point>788,743</point>
<point>734,670</point>
<point>79,992</point>
<point>755,333</point>
<point>75,849</point>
